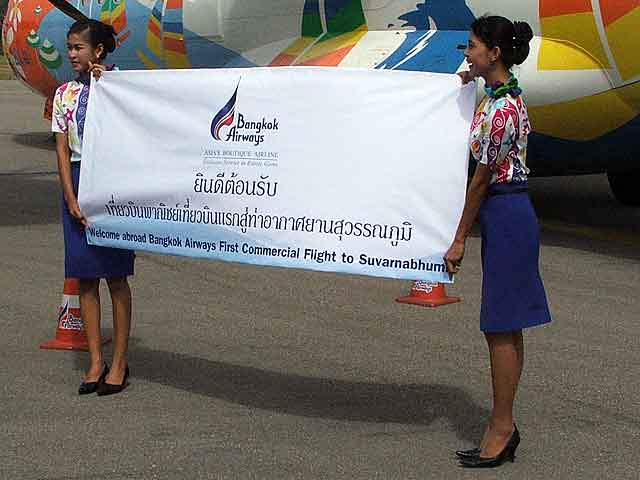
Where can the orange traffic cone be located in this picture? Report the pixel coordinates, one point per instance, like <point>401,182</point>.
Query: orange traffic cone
<point>428,294</point>
<point>70,334</point>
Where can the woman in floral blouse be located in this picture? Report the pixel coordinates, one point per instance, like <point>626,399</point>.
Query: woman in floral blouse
<point>513,296</point>
<point>88,43</point>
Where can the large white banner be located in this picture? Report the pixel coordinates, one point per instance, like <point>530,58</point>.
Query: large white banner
<point>352,171</point>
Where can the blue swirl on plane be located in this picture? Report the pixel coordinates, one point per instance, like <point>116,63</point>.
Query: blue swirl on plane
<point>433,51</point>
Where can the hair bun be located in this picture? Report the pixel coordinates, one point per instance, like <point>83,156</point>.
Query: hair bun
<point>109,35</point>
<point>523,33</point>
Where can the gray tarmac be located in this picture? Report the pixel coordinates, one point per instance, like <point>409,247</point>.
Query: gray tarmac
<point>240,372</point>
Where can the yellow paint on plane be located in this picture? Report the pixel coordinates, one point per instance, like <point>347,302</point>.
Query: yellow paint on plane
<point>564,55</point>
<point>299,46</point>
<point>154,43</point>
<point>176,60</point>
<point>624,41</point>
<point>588,118</point>
<point>571,42</point>
<point>631,95</point>
<point>336,43</point>
<point>148,63</point>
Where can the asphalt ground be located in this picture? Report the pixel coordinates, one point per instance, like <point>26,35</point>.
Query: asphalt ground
<point>253,372</point>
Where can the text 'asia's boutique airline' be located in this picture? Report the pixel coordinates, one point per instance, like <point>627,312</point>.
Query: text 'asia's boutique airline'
<point>582,79</point>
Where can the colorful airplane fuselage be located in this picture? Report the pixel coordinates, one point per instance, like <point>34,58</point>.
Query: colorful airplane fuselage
<point>581,79</point>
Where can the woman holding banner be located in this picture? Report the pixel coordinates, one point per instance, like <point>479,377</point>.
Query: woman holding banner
<point>513,296</point>
<point>88,42</point>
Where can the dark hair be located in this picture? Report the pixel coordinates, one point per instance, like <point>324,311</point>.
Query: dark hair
<point>99,34</point>
<point>512,38</point>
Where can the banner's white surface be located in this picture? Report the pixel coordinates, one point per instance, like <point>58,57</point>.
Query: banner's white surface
<point>352,171</point>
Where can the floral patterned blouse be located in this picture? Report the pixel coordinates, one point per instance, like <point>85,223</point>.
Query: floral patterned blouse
<point>69,112</point>
<point>499,138</point>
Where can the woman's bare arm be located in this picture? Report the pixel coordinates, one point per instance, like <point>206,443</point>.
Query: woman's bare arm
<point>476,194</point>
<point>64,172</point>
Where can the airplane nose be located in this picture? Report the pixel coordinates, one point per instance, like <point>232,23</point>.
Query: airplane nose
<point>6,35</point>
<point>29,44</point>
<point>11,24</point>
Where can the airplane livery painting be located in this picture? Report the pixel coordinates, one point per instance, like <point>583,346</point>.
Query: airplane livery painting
<point>581,81</point>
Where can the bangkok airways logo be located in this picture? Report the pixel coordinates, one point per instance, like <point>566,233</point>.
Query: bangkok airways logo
<point>69,318</point>
<point>231,126</point>
<point>63,311</point>
<point>225,116</point>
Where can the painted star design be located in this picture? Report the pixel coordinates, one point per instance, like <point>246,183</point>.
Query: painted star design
<point>68,115</point>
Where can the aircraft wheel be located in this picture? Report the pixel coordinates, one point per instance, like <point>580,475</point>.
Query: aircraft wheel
<point>626,187</point>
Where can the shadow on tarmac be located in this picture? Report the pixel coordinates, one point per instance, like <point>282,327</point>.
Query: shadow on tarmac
<point>29,199</point>
<point>624,249</point>
<point>39,140</point>
<point>585,204</point>
<point>580,213</point>
<point>314,397</point>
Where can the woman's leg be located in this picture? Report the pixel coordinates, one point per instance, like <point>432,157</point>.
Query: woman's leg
<point>90,312</point>
<point>506,353</point>
<point>121,300</point>
<point>520,348</point>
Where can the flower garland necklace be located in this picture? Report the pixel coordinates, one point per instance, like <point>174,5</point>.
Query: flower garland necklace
<point>499,89</point>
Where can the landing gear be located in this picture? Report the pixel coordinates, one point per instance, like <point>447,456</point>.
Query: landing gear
<point>626,186</point>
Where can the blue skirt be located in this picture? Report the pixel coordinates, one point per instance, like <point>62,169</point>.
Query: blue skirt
<point>82,260</point>
<point>513,295</point>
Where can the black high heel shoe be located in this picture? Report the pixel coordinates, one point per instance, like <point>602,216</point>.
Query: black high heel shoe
<point>474,452</point>
<point>105,388</point>
<point>89,387</point>
<point>507,453</point>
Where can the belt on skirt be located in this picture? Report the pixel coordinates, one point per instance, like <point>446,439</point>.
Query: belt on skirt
<point>508,188</point>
